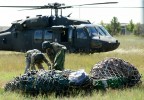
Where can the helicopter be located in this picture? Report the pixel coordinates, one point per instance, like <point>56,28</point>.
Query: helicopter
<point>77,35</point>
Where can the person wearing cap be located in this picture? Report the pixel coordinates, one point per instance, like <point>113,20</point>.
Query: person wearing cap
<point>35,57</point>
<point>56,54</point>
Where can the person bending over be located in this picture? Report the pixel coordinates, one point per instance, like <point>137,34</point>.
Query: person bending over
<point>35,57</point>
<point>56,54</point>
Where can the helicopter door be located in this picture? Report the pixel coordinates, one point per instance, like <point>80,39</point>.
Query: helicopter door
<point>82,40</point>
<point>64,35</point>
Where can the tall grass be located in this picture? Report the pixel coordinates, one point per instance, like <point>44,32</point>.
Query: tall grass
<point>131,49</point>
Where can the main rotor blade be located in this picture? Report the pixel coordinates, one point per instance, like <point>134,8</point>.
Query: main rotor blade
<point>112,7</point>
<point>87,4</point>
<point>56,7</point>
<point>22,6</point>
<point>97,3</point>
<point>30,7</point>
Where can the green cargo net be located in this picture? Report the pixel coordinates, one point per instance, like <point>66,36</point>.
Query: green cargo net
<point>115,73</point>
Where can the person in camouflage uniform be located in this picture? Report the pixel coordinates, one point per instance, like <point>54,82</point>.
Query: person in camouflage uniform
<point>56,54</point>
<point>35,57</point>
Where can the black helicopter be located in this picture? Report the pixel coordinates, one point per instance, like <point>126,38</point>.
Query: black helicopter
<point>76,35</point>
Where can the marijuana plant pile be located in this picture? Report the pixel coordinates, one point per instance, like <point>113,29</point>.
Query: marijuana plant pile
<point>109,73</point>
<point>114,73</point>
<point>51,81</point>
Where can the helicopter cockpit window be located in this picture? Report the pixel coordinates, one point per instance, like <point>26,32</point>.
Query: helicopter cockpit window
<point>104,31</point>
<point>38,36</point>
<point>81,33</point>
<point>47,35</point>
<point>92,31</point>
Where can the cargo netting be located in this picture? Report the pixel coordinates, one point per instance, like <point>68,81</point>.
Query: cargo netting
<point>52,81</point>
<point>109,73</point>
<point>114,73</point>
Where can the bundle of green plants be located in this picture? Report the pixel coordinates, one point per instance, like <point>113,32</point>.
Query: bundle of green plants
<point>114,73</point>
<point>49,82</point>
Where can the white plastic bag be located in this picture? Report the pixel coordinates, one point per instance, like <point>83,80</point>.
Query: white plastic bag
<point>78,77</point>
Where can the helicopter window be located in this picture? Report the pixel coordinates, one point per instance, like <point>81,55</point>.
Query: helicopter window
<point>38,36</point>
<point>47,35</point>
<point>81,34</point>
<point>92,31</point>
<point>104,31</point>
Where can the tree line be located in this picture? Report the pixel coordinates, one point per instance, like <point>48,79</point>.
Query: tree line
<point>115,28</point>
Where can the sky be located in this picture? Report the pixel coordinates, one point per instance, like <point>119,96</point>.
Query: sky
<point>95,15</point>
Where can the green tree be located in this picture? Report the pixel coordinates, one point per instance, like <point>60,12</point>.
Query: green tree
<point>138,29</point>
<point>108,27</point>
<point>115,26</point>
<point>130,26</point>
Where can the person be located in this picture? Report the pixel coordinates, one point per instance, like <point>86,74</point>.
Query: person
<point>35,57</point>
<point>56,54</point>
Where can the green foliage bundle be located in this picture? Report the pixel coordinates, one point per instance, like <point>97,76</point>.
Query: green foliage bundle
<point>116,73</point>
<point>46,82</point>
<point>109,73</point>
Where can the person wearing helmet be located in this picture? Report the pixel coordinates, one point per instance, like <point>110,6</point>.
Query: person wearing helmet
<point>35,57</point>
<point>56,54</point>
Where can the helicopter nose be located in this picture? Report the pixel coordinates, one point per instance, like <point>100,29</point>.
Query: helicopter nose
<point>104,46</point>
<point>115,45</point>
<point>111,46</point>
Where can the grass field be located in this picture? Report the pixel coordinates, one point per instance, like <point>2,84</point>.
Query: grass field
<point>131,49</point>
